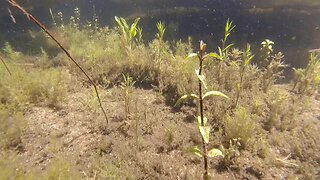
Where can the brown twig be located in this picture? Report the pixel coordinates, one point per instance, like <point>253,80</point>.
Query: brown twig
<point>32,18</point>
<point>5,65</point>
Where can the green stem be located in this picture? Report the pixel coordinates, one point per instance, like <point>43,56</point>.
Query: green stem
<point>219,73</point>
<point>204,144</point>
<point>240,87</point>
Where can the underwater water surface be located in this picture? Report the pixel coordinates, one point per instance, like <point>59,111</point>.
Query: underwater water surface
<point>293,25</point>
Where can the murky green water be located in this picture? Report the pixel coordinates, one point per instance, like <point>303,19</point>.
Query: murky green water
<point>292,24</point>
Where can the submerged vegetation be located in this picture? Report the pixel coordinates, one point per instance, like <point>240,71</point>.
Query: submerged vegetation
<point>258,124</point>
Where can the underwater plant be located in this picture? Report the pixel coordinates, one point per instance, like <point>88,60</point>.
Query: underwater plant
<point>273,71</point>
<point>161,29</point>
<point>227,31</point>
<point>129,33</point>
<point>273,65</point>
<point>75,19</point>
<point>224,49</point>
<point>201,120</point>
<point>266,49</point>
<point>159,49</point>
<point>306,80</point>
<point>127,85</point>
<point>246,59</point>
<point>39,24</point>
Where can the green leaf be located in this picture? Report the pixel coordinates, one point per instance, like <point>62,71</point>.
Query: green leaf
<point>202,79</point>
<point>192,55</point>
<point>214,93</point>
<point>184,98</point>
<point>205,120</point>
<point>214,153</point>
<point>220,51</point>
<point>133,28</point>
<point>125,25</point>
<point>116,18</point>
<point>205,132</point>
<point>133,32</point>
<point>120,25</point>
<point>214,55</point>
<point>228,47</point>
<point>195,150</point>
<point>248,60</point>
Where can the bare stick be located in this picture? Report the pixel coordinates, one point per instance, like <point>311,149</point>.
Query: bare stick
<point>5,65</point>
<point>32,18</point>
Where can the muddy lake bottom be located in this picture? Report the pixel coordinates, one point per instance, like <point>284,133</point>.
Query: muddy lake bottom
<point>150,142</point>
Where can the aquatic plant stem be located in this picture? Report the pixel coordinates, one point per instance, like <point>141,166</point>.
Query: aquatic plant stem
<point>240,86</point>
<point>5,65</point>
<point>204,144</point>
<point>32,18</point>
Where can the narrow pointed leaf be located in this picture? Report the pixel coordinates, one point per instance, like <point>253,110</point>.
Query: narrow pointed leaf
<point>228,47</point>
<point>214,153</point>
<point>185,97</point>
<point>133,28</point>
<point>195,150</point>
<point>192,55</point>
<point>120,25</point>
<point>116,18</point>
<point>202,79</point>
<point>205,132</point>
<point>220,51</point>
<point>124,23</point>
<point>248,60</point>
<point>205,120</point>
<point>133,33</point>
<point>214,93</point>
<point>214,55</point>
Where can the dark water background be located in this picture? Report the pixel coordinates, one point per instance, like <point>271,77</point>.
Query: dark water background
<point>294,25</point>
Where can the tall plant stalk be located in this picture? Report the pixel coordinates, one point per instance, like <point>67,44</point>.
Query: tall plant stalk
<point>201,120</point>
<point>204,144</point>
<point>246,59</point>
<point>13,3</point>
<point>5,65</point>
<point>223,51</point>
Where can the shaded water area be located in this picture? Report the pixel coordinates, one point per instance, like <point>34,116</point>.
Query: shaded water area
<point>293,25</point>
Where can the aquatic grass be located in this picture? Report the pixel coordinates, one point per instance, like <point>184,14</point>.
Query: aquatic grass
<point>127,86</point>
<point>229,27</point>
<point>159,51</point>
<point>246,59</point>
<point>129,33</point>
<point>31,17</point>
<point>224,49</point>
<point>240,126</point>
<point>11,127</point>
<point>306,80</point>
<point>161,29</point>
<point>75,19</point>
<point>5,66</point>
<point>12,168</point>
<point>10,53</point>
<point>201,120</point>
<point>265,52</point>
<point>61,169</point>
<point>41,87</point>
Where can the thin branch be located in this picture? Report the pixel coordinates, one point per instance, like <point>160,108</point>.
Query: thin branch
<point>32,18</point>
<point>287,162</point>
<point>5,65</point>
